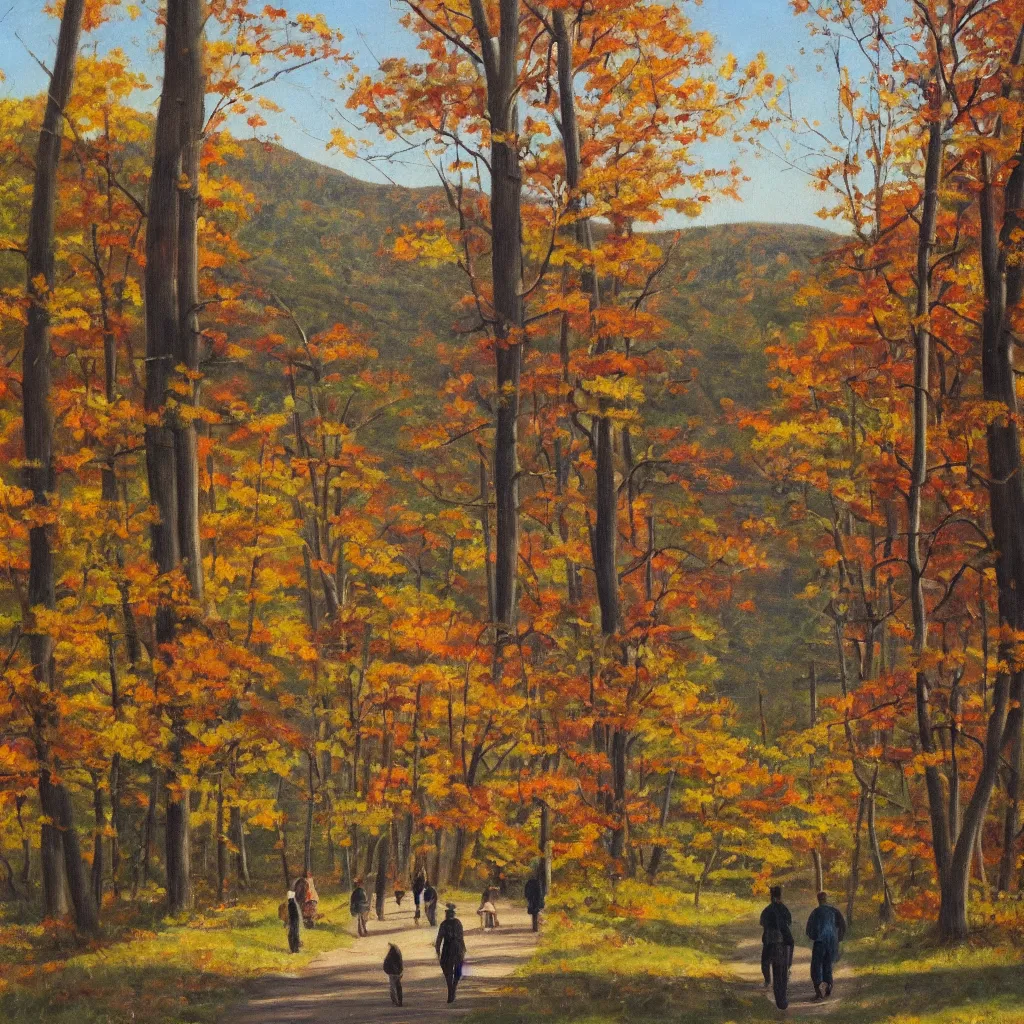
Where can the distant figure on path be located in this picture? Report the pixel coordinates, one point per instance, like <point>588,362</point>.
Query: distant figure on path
<point>307,897</point>
<point>399,896</point>
<point>359,907</point>
<point>777,946</point>
<point>451,950</point>
<point>419,883</point>
<point>534,893</point>
<point>826,928</point>
<point>430,904</point>
<point>487,911</point>
<point>393,967</point>
<point>294,924</point>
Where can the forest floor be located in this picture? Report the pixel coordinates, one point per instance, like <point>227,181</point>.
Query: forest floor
<point>641,956</point>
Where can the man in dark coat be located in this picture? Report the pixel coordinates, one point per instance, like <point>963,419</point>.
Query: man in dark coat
<point>451,950</point>
<point>430,904</point>
<point>534,893</point>
<point>294,924</point>
<point>359,906</point>
<point>393,967</point>
<point>777,946</point>
<point>826,928</point>
<point>419,883</point>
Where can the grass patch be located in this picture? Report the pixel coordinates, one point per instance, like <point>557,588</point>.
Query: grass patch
<point>640,954</point>
<point>158,970</point>
<point>905,977</point>
<point>647,956</point>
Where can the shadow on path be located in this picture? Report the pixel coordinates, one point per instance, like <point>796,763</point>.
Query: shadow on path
<point>746,965</point>
<point>350,984</point>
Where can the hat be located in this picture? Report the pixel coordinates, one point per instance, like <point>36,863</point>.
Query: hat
<point>451,906</point>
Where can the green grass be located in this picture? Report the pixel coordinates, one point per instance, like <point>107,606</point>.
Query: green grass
<point>642,955</point>
<point>648,957</point>
<point>158,971</point>
<point>905,977</point>
<point>638,956</point>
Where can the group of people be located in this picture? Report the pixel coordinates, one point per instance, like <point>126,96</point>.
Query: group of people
<point>450,943</point>
<point>450,947</point>
<point>826,928</point>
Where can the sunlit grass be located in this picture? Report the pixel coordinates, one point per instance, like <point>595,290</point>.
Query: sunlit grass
<point>646,956</point>
<point>637,954</point>
<point>905,977</point>
<point>162,973</point>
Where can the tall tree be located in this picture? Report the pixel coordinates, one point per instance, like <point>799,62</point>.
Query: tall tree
<point>59,836</point>
<point>172,339</point>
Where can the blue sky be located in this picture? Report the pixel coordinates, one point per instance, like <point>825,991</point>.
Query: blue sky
<point>372,30</point>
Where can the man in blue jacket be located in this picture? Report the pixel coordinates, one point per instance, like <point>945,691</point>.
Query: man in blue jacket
<point>826,928</point>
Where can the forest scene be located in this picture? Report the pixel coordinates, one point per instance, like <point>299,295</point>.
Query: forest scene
<point>563,449</point>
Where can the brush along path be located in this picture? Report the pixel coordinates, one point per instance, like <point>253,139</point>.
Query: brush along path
<point>350,984</point>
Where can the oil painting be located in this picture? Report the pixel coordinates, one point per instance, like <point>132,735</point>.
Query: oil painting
<point>511,511</point>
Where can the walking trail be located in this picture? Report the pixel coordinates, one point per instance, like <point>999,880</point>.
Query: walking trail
<point>746,965</point>
<point>350,984</point>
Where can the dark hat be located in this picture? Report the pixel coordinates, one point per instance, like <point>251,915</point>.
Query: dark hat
<point>451,906</point>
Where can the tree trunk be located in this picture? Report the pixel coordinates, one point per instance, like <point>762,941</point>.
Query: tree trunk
<point>39,474</point>
<point>307,845</point>
<point>56,805</point>
<point>149,827</point>
<point>282,838</point>
<point>222,845</point>
<point>1003,279</point>
<point>171,283</point>
<point>96,879</point>
<point>380,884</point>
<point>238,838</point>
<point>886,912</point>
<point>854,883</point>
<point>1011,820</point>
<point>501,68</point>
<point>819,874</point>
<point>55,893</point>
<point>658,854</point>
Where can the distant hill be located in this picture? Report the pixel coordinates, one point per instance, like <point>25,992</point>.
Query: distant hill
<point>321,238</point>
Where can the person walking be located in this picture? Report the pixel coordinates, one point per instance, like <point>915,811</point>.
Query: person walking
<point>450,947</point>
<point>487,911</point>
<point>777,946</point>
<point>430,904</point>
<point>294,924</point>
<point>359,907</point>
<point>534,893</point>
<point>307,898</point>
<point>393,967</point>
<point>826,928</point>
<point>419,883</point>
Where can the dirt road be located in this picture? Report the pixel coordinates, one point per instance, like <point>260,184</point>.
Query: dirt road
<point>350,985</point>
<point>747,966</point>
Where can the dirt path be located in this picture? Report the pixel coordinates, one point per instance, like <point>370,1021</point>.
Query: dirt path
<point>350,985</point>
<point>746,964</point>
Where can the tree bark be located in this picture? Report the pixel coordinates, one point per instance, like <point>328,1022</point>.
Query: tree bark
<point>238,838</point>
<point>1003,280</point>
<point>222,845</point>
<point>501,70</point>
<point>171,283</point>
<point>39,477</point>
